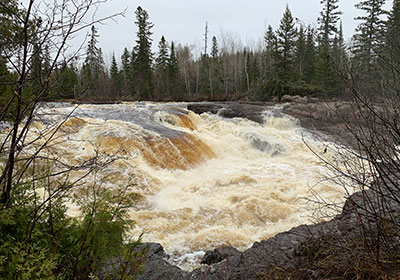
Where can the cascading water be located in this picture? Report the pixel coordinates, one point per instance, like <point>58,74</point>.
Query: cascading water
<point>205,181</point>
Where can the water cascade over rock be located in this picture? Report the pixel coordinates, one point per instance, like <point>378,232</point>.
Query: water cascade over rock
<point>204,180</point>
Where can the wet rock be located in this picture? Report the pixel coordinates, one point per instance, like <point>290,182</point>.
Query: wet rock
<point>287,98</point>
<point>294,98</point>
<point>220,254</point>
<point>156,264</point>
<point>205,107</point>
<point>247,110</point>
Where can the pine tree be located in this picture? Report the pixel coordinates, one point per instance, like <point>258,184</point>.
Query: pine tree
<point>392,39</point>
<point>67,81</point>
<point>339,50</point>
<point>93,67</point>
<point>115,76</point>
<point>125,72</point>
<point>309,59</point>
<point>36,74</point>
<point>370,32</point>
<point>286,45</point>
<point>300,54</point>
<point>326,76</point>
<point>328,20</point>
<point>161,70</point>
<point>214,48</point>
<point>142,63</point>
<point>271,52</point>
<point>173,72</point>
<point>162,58</point>
<point>172,62</point>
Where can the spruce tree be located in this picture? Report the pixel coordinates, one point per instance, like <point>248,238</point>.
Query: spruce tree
<point>329,17</point>
<point>115,76</point>
<point>392,38</point>
<point>326,76</point>
<point>93,67</point>
<point>370,32</point>
<point>125,72</point>
<point>300,54</point>
<point>162,57</point>
<point>271,52</point>
<point>172,62</point>
<point>142,63</point>
<point>310,57</point>
<point>214,48</point>
<point>67,81</point>
<point>286,46</point>
<point>161,69</point>
<point>173,72</point>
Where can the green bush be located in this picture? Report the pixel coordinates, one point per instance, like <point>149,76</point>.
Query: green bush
<point>39,241</point>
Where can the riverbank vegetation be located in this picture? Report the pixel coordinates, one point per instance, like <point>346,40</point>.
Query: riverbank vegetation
<point>294,59</point>
<point>38,238</point>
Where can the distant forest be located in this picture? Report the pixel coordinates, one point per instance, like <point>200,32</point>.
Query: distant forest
<point>295,59</point>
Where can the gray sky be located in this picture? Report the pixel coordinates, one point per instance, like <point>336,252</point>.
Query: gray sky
<point>183,21</point>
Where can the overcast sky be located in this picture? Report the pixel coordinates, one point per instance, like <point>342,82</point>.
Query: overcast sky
<point>183,21</point>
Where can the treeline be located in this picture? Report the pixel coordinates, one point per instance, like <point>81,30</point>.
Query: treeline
<point>294,59</point>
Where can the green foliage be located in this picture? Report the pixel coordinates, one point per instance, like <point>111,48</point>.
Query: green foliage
<point>142,62</point>
<point>286,42</point>
<point>93,67</point>
<point>39,241</point>
<point>10,25</point>
<point>277,88</point>
<point>370,31</point>
<point>116,78</point>
<point>66,82</point>
<point>328,20</point>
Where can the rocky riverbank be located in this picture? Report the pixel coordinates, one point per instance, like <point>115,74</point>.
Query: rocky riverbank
<point>320,251</point>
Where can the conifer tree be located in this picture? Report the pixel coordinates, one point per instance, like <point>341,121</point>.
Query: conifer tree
<point>93,67</point>
<point>214,48</point>
<point>173,72</point>
<point>125,71</point>
<point>115,76</point>
<point>300,54</point>
<point>310,57</point>
<point>215,75</point>
<point>271,52</point>
<point>286,46</point>
<point>329,17</point>
<point>67,81</point>
<point>172,62</point>
<point>142,62</point>
<point>370,32</point>
<point>162,58</point>
<point>326,75</point>
<point>339,50</point>
<point>161,69</point>
<point>392,38</point>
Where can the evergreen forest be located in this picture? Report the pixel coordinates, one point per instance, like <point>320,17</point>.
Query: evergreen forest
<point>295,59</point>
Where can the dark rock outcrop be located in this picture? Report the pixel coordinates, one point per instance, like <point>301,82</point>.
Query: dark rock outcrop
<point>156,264</point>
<point>248,110</point>
<point>220,254</point>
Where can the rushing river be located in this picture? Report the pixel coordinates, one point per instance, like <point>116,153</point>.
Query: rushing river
<point>205,181</point>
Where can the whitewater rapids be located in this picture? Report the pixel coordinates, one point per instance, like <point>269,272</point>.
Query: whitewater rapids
<point>204,181</point>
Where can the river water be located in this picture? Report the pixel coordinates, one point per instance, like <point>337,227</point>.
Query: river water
<point>204,181</point>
